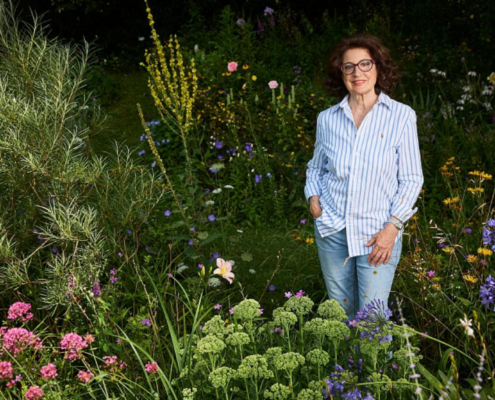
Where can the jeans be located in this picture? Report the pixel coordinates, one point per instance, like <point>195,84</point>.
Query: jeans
<point>356,283</point>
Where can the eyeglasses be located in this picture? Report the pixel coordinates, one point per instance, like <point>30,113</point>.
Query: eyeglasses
<point>364,65</point>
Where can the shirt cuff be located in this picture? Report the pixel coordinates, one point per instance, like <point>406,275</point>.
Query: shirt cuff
<point>311,189</point>
<point>404,212</point>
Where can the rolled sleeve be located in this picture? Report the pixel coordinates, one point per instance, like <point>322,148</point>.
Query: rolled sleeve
<point>410,174</point>
<point>316,166</point>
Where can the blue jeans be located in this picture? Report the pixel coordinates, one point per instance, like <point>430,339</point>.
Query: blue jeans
<point>356,283</point>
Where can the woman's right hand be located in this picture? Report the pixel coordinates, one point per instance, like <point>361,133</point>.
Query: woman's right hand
<point>315,206</point>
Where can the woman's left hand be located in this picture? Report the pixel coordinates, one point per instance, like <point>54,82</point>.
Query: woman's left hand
<point>384,244</point>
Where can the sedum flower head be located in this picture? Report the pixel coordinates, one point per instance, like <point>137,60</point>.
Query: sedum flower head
<point>215,326</point>
<point>379,387</point>
<point>299,305</point>
<point>407,356</point>
<point>188,394</point>
<point>278,392</point>
<point>309,394</point>
<point>272,352</point>
<point>210,344</point>
<point>401,385</point>
<point>284,318</point>
<point>238,339</point>
<point>318,357</point>
<point>248,309</point>
<point>289,361</point>
<point>336,330</point>
<point>331,309</point>
<point>316,326</point>
<point>221,377</point>
<point>254,367</point>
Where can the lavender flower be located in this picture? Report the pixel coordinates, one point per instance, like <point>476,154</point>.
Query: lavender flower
<point>145,321</point>
<point>271,288</point>
<point>268,11</point>
<point>373,321</point>
<point>487,292</point>
<point>96,288</point>
<point>257,178</point>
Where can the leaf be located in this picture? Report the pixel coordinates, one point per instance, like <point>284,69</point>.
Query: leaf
<point>464,301</point>
<point>429,377</point>
<point>247,257</point>
<point>202,235</point>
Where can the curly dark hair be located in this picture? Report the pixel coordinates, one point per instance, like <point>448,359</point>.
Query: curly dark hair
<point>387,71</point>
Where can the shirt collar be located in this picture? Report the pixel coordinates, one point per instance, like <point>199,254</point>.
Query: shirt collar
<point>382,99</point>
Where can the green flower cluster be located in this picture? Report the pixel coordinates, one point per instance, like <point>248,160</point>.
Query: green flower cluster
<point>331,309</point>
<point>278,392</point>
<point>254,367</point>
<point>210,344</point>
<point>336,330</point>
<point>407,356</point>
<point>401,385</point>
<point>318,357</point>
<point>379,387</point>
<point>188,394</point>
<point>316,326</point>
<point>238,339</point>
<point>215,326</point>
<point>248,310</point>
<point>299,305</point>
<point>289,361</point>
<point>309,394</point>
<point>272,352</point>
<point>284,318</point>
<point>221,377</point>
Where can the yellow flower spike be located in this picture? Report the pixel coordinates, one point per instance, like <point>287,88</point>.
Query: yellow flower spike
<point>485,252</point>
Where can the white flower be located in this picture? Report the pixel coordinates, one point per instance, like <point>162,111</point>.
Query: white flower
<point>196,48</point>
<point>488,106</point>
<point>433,71</point>
<point>229,187</point>
<point>471,73</point>
<point>252,271</point>
<point>141,38</point>
<point>467,325</point>
<point>182,268</point>
<point>238,230</point>
<point>216,191</point>
<point>209,203</point>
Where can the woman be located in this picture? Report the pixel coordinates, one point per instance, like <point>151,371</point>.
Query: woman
<point>365,175</point>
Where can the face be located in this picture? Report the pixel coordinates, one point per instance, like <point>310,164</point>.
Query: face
<point>359,82</point>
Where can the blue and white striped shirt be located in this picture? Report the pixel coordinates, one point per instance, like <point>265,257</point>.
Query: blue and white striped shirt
<point>364,176</point>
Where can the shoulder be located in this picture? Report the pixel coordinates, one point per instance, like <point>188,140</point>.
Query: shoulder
<point>401,110</point>
<point>329,112</point>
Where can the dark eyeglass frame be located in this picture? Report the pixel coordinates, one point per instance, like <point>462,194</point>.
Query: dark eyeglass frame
<point>341,66</point>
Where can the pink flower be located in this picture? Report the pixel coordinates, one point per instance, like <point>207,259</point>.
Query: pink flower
<point>21,311</point>
<point>288,294</point>
<point>3,330</point>
<point>6,370</point>
<point>74,344</point>
<point>16,340</point>
<point>217,306</point>
<point>273,84</point>
<point>89,338</point>
<point>224,269</point>
<point>85,376</point>
<point>49,371</point>
<point>151,368</point>
<point>431,273</point>
<point>300,293</point>
<point>34,393</point>
<point>110,360</point>
<point>232,66</point>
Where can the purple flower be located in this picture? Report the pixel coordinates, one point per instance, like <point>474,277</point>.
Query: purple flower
<point>217,306</point>
<point>220,157</point>
<point>170,275</point>
<point>467,230</point>
<point>240,22</point>
<point>352,323</point>
<point>268,11</point>
<point>300,293</point>
<point>145,321</point>
<point>129,231</point>
<point>113,279</point>
<point>271,288</point>
<point>54,250</point>
<point>212,170</point>
<point>262,310</point>
<point>278,329</point>
<point>441,245</point>
<point>248,147</point>
<point>257,178</point>
<point>268,175</point>
<point>96,288</point>
<point>141,153</point>
<point>113,271</point>
<point>218,144</point>
<point>231,311</point>
<point>207,191</point>
<point>211,218</point>
<point>395,366</point>
<point>487,292</point>
<point>303,221</point>
<point>119,254</point>
<point>288,294</point>
<point>193,229</point>
<point>190,242</point>
<point>352,394</point>
<point>153,164</point>
<point>167,213</point>
<point>200,266</point>
<point>431,273</point>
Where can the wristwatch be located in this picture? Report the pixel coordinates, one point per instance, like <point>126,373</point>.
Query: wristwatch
<point>395,222</point>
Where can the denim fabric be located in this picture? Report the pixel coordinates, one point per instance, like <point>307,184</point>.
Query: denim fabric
<point>356,283</point>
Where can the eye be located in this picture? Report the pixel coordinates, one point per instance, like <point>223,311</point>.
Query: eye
<point>365,64</point>
<point>348,67</point>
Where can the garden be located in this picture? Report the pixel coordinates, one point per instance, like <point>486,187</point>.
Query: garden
<point>155,241</point>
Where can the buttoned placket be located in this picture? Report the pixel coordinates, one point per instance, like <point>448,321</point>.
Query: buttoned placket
<point>356,145</point>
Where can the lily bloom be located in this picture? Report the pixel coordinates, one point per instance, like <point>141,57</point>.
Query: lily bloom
<point>224,269</point>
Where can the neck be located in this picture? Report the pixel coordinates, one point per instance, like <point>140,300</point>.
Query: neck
<point>362,101</point>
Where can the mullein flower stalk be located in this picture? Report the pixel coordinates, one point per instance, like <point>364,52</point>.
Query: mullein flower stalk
<point>173,86</point>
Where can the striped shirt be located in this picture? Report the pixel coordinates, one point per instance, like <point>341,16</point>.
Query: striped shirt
<point>364,176</point>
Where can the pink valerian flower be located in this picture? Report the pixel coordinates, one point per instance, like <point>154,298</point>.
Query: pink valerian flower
<point>300,293</point>
<point>49,371</point>
<point>110,360</point>
<point>34,393</point>
<point>74,344</point>
<point>89,338</point>
<point>232,66</point>
<point>85,376</point>
<point>3,330</point>
<point>6,370</point>
<point>20,311</point>
<point>273,84</point>
<point>431,273</point>
<point>224,269</point>
<point>16,340</point>
<point>151,368</point>
<point>217,306</point>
